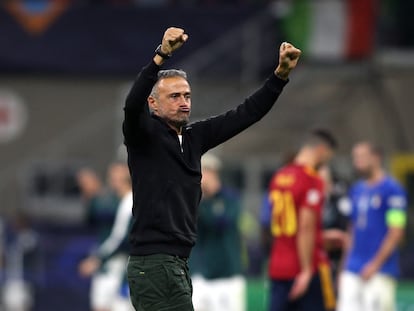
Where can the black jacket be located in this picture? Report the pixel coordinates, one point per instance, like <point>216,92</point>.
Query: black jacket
<point>166,180</point>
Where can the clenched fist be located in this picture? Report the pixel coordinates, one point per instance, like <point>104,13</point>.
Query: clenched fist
<point>173,39</point>
<point>288,58</point>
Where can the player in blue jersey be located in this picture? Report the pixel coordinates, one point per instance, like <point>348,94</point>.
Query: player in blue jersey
<point>378,217</point>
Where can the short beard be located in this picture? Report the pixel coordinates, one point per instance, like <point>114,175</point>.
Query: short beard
<point>364,174</point>
<point>178,124</point>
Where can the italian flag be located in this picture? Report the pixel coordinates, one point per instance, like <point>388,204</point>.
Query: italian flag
<point>331,29</point>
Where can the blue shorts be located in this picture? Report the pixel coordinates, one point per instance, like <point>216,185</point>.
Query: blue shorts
<point>319,296</point>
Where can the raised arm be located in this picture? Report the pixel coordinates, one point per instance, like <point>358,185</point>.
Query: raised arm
<point>136,104</point>
<point>223,127</point>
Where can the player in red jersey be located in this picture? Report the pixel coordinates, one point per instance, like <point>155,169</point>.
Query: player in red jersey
<point>298,267</point>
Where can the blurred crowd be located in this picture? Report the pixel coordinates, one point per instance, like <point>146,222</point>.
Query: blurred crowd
<point>155,3</point>
<point>225,253</point>
<point>151,3</point>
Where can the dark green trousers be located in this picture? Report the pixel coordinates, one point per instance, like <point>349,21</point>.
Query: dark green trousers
<point>159,283</point>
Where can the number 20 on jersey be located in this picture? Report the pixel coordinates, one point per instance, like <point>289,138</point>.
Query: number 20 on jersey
<point>284,221</point>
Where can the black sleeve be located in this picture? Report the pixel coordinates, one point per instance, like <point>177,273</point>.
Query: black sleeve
<point>217,130</point>
<point>137,116</point>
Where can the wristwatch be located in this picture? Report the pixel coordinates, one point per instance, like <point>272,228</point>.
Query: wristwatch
<point>160,53</point>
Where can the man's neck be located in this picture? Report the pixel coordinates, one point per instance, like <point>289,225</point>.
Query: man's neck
<point>177,129</point>
<point>376,176</point>
<point>306,158</point>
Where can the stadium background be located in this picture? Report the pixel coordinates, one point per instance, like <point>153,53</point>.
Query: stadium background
<point>65,67</point>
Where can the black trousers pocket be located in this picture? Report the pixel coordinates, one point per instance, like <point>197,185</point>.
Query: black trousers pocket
<point>156,286</point>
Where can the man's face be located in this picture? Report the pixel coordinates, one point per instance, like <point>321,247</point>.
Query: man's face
<point>325,155</point>
<point>172,101</point>
<point>363,159</point>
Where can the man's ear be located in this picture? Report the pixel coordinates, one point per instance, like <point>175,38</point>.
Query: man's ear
<point>152,103</point>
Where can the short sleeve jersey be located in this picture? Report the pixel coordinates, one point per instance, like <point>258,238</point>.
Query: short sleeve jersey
<point>292,188</point>
<point>370,206</point>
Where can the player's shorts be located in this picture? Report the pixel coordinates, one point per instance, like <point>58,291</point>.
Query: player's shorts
<point>219,294</point>
<point>105,286</point>
<point>376,294</point>
<point>320,295</point>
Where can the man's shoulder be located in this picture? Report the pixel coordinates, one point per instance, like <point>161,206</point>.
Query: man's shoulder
<point>291,173</point>
<point>285,176</point>
<point>200,123</point>
<point>311,178</point>
<point>392,184</point>
<point>303,172</point>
